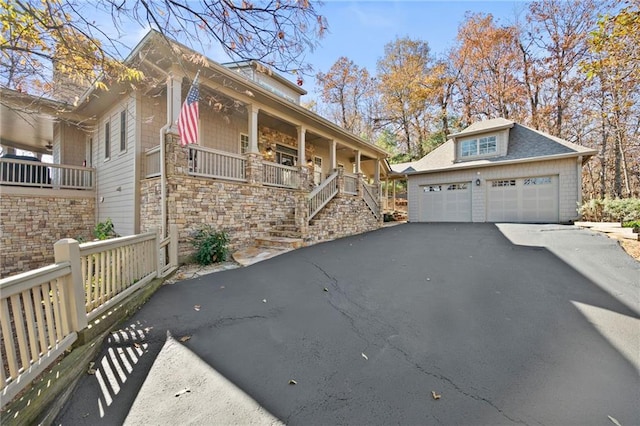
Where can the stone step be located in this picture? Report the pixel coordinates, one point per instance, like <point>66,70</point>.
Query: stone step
<point>287,233</point>
<point>286,227</point>
<point>279,242</point>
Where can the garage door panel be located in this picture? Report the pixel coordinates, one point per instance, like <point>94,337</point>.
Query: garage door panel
<point>533,199</point>
<point>448,202</point>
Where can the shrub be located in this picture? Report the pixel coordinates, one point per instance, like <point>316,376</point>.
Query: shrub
<point>104,230</point>
<point>612,210</point>
<point>622,209</point>
<point>211,245</point>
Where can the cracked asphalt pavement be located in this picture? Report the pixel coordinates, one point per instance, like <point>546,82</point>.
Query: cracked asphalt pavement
<point>511,324</point>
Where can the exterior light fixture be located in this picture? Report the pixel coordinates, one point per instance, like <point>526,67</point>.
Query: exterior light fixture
<point>309,162</point>
<point>477,182</point>
<point>269,152</point>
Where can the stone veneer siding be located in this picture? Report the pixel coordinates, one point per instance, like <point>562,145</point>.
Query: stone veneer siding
<point>343,216</point>
<point>30,225</point>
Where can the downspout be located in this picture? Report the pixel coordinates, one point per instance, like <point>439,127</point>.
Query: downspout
<point>579,184</point>
<point>163,168</point>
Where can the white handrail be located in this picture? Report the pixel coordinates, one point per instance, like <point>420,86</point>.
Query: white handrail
<point>370,200</point>
<point>209,162</point>
<point>321,195</point>
<point>45,175</point>
<point>275,174</point>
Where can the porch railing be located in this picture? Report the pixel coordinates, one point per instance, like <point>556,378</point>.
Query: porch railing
<point>350,184</point>
<point>45,175</point>
<point>41,311</point>
<point>208,162</point>
<point>275,174</point>
<point>321,195</point>
<point>152,162</point>
<point>370,196</point>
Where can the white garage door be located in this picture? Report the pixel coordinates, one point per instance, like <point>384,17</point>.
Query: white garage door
<point>447,202</point>
<point>533,199</point>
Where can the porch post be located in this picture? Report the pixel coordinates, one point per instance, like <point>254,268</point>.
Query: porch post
<point>302,132</point>
<point>358,170</point>
<point>252,112</point>
<point>376,172</point>
<point>332,155</point>
<point>174,99</point>
<point>394,195</point>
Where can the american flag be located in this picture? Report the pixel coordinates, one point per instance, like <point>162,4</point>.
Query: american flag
<point>188,119</point>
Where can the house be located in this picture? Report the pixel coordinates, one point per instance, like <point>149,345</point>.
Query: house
<point>264,168</point>
<point>497,171</point>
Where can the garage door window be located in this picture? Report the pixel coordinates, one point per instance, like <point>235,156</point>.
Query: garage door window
<point>433,188</point>
<point>457,187</point>
<point>538,181</point>
<point>499,183</point>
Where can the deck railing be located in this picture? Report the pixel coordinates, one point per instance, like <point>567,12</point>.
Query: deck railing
<point>350,184</point>
<point>275,174</point>
<point>321,195</point>
<point>45,175</point>
<point>42,311</point>
<point>208,162</point>
<point>152,162</point>
<point>370,196</point>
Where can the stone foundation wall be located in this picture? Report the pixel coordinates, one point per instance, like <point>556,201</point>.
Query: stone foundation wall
<point>243,211</point>
<point>150,199</point>
<point>31,224</point>
<point>343,216</point>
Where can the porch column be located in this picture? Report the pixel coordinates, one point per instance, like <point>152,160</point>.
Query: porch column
<point>252,112</point>
<point>358,170</point>
<point>376,172</point>
<point>174,99</point>
<point>302,132</point>
<point>394,195</point>
<point>332,155</point>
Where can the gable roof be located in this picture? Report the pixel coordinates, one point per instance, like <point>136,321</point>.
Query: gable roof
<point>478,127</point>
<point>525,145</point>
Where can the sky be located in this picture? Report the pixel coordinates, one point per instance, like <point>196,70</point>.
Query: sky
<point>359,30</point>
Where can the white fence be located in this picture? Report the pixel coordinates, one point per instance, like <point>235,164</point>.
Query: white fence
<point>42,311</point>
<point>45,175</point>
<point>207,162</point>
<point>275,174</point>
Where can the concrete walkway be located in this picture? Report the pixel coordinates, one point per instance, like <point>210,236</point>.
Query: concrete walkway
<point>612,229</point>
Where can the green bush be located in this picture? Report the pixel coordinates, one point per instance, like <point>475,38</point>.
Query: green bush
<point>631,224</point>
<point>611,210</point>
<point>104,230</point>
<point>211,245</point>
<point>622,209</point>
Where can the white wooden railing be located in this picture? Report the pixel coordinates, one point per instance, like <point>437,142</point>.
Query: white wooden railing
<point>208,162</point>
<point>275,174</point>
<point>152,162</point>
<point>350,184</point>
<point>321,195</point>
<point>45,175</point>
<point>42,311</point>
<point>370,196</point>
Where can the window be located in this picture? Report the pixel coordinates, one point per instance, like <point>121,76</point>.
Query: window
<point>107,140</point>
<point>432,188</point>
<point>244,143</point>
<point>482,146</point>
<point>499,183</point>
<point>286,156</point>
<point>457,187</point>
<point>537,181</point>
<point>123,131</point>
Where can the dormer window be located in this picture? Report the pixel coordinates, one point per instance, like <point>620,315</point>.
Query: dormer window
<point>480,146</point>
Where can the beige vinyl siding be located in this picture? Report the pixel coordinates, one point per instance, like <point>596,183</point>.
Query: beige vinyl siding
<point>116,175</point>
<point>221,129</point>
<point>565,169</point>
<point>153,116</point>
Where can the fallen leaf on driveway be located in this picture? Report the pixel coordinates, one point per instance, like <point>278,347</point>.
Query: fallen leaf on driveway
<point>614,421</point>
<point>137,345</point>
<point>91,370</point>
<point>264,300</point>
<point>183,391</point>
<point>364,356</point>
<point>325,289</point>
<point>222,286</point>
<point>435,395</point>
<point>293,382</point>
<point>185,338</point>
<point>196,307</point>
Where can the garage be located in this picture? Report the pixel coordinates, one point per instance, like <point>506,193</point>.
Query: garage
<point>447,202</point>
<point>531,200</point>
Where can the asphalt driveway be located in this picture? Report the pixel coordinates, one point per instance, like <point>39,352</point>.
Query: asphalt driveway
<point>508,324</point>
